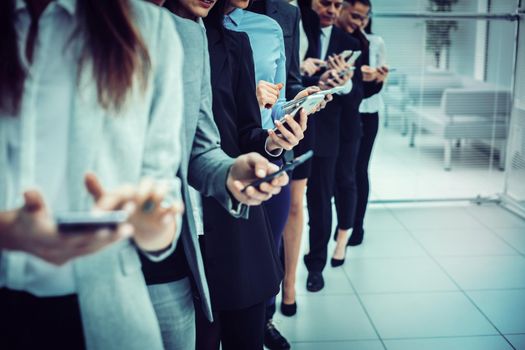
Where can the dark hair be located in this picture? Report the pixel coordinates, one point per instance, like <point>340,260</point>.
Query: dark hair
<point>364,2</point>
<point>215,18</point>
<point>368,28</point>
<point>112,43</point>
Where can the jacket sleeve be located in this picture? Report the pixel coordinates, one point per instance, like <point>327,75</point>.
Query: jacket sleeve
<point>209,165</point>
<point>162,150</point>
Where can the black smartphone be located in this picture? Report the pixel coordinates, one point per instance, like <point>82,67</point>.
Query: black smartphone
<point>83,222</point>
<point>286,167</point>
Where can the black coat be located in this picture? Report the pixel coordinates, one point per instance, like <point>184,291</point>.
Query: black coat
<point>242,265</point>
<point>328,122</point>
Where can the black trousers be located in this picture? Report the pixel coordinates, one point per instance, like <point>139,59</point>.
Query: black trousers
<point>30,322</point>
<point>370,123</point>
<point>319,195</point>
<point>233,329</point>
<point>345,191</point>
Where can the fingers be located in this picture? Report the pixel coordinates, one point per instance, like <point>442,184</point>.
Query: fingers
<point>93,186</point>
<point>259,164</point>
<point>33,201</point>
<point>303,120</point>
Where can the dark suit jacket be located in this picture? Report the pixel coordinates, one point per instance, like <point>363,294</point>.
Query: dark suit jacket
<point>288,17</point>
<point>241,261</point>
<point>327,123</point>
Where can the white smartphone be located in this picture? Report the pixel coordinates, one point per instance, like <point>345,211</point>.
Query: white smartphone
<point>309,103</point>
<point>331,91</point>
<point>354,57</point>
<point>82,222</point>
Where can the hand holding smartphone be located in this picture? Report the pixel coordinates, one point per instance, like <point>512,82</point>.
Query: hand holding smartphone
<point>287,167</point>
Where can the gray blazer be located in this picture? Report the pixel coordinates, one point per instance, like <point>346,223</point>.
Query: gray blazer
<point>204,165</point>
<point>142,141</point>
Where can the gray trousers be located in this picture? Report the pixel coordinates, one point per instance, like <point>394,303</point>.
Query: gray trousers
<point>173,304</point>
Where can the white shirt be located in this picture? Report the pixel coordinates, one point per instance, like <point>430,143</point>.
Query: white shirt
<point>48,95</point>
<point>326,33</point>
<point>377,49</point>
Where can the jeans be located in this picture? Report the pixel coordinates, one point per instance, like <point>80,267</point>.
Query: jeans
<point>173,304</point>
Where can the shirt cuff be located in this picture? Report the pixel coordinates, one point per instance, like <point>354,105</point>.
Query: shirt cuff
<point>347,88</point>
<point>276,154</point>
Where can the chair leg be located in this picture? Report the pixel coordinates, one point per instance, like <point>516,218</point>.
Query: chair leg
<point>385,118</point>
<point>412,139</point>
<point>404,131</point>
<point>448,155</point>
<point>502,155</point>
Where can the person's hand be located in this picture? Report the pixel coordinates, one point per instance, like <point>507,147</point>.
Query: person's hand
<point>152,217</point>
<point>267,94</point>
<point>31,229</point>
<point>382,74</point>
<point>369,73</point>
<point>307,92</point>
<point>331,79</point>
<point>310,66</point>
<point>288,137</point>
<point>337,63</point>
<point>327,99</point>
<point>249,168</point>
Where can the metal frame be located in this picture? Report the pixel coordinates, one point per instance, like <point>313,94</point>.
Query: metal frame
<point>512,17</point>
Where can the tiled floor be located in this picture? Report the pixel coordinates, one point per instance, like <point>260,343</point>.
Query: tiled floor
<point>430,277</point>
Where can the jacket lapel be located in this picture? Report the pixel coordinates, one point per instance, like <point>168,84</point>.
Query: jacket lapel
<point>332,44</point>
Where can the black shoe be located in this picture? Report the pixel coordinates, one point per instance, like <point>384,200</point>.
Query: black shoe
<point>273,339</point>
<point>356,238</point>
<point>288,309</point>
<point>315,281</point>
<point>337,262</point>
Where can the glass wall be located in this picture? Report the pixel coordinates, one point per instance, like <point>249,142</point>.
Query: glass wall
<point>445,126</point>
<point>515,186</point>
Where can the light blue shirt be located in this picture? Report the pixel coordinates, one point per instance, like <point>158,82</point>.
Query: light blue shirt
<point>267,42</point>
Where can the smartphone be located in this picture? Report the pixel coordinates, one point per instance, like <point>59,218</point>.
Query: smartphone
<point>346,54</point>
<point>307,103</point>
<point>285,168</point>
<point>82,222</point>
<point>331,91</point>
<point>354,57</point>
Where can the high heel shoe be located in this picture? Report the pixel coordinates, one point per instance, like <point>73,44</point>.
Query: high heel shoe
<point>337,262</point>
<point>288,309</point>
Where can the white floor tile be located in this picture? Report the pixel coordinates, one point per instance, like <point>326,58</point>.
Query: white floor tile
<point>463,242</point>
<point>506,309</point>
<point>513,236</point>
<point>518,341</point>
<point>397,275</point>
<point>326,318</point>
<point>488,272</point>
<point>457,343</point>
<point>386,244</point>
<point>425,315</point>
<point>436,218</point>
<point>346,345</point>
<point>496,217</point>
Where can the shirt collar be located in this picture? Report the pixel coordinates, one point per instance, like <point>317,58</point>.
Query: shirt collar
<point>235,17</point>
<point>326,31</point>
<point>69,5</point>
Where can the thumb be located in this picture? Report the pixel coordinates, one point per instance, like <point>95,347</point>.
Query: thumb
<point>93,186</point>
<point>259,164</point>
<point>33,201</point>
